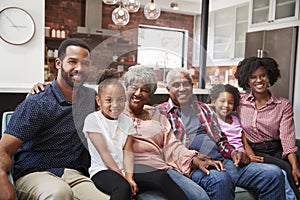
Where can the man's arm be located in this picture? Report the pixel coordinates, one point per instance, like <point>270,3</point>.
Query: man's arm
<point>8,146</point>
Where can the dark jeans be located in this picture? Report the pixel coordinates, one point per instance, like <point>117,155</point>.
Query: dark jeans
<point>150,179</point>
<point>271,151</point>
<point>113,184</point>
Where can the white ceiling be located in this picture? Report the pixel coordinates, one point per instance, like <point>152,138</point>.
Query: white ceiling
<point>193,7</point>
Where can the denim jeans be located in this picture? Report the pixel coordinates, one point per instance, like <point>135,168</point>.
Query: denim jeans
<point>266,180</point>
<point>289,193</point>
<point>150,195</point>
<point>190,188</point>
<point>217,184</point>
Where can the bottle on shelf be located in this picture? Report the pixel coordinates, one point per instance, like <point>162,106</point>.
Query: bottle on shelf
<point>55,53</point>
<point>62,32</point>
<point>47,31</point>
<point>58,33</point>
<point>53,33</point>
<point>50,53</point>
<point>131,58</point>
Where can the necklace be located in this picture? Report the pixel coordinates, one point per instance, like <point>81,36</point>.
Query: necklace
<point>136,113</point>
<point>143,115</point>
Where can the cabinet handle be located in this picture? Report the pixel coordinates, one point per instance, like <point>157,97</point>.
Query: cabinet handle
<point>262,53</point>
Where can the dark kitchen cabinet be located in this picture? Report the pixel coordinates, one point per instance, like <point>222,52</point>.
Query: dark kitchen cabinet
<point>279,44</point>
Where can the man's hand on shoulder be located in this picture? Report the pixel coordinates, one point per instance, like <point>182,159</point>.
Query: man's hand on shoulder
<point>37,88</point>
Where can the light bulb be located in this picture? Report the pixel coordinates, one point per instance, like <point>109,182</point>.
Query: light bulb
<point>121,12</point>
<point>120,16</point>
<point>174,5</point>
<point>152,6</point>
<point>151,10</point>
<point>132,5</point>
<point>110,2</point>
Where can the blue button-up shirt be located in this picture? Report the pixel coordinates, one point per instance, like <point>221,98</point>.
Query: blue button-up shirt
<point>45,123</point>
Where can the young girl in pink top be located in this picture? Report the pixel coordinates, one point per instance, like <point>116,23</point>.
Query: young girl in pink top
<point>225,99</point>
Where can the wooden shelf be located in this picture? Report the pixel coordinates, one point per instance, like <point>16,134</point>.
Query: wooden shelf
<point>54,39</point>
<point>124,63</point>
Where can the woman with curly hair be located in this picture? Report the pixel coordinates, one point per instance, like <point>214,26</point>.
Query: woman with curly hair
<point>268,120</point>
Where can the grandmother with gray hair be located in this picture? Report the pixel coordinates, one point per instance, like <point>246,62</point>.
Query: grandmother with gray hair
<point>155,145</point>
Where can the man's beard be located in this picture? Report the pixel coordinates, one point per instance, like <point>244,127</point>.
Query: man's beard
<point>65,76</point>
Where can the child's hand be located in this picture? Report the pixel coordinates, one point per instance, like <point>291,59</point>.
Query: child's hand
<point>134,187</point>
<point>255,158</point>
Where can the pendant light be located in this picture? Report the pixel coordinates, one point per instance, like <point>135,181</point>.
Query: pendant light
<point>110,2</point>
<point>120,15</point>
<point>132,5</point>
<point>174,5</point>
<point>151,10</point>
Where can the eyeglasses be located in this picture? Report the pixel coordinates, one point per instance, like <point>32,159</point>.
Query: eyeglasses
<point>142,89</point>
<point>184,84</point>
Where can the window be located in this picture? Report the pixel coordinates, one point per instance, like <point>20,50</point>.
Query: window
<point>160,47</point>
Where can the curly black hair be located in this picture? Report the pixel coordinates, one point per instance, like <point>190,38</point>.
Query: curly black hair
<point>247,67</point>
<point>219,88</point>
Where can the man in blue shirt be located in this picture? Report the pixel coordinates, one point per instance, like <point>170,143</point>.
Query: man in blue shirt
<point>43,138</point>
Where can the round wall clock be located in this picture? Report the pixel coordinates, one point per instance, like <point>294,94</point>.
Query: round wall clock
<point>16,26</point>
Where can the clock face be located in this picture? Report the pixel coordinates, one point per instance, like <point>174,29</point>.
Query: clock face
<point>16,26</point>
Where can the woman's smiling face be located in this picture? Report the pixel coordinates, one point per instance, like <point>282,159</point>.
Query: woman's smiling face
<point>259,80</point>
<point>138,95</point>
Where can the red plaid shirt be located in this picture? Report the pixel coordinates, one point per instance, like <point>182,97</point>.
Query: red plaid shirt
<point>207,117</point>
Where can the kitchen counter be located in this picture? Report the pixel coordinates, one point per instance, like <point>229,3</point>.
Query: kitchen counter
<point>162,95</point>
<point>196,91</point>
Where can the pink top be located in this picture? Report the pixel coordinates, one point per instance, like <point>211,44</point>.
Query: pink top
<point>273,121</point>
<point>233,132</point>
<point>156,145</point>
